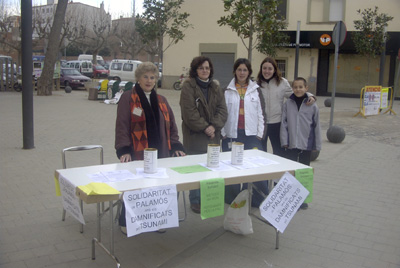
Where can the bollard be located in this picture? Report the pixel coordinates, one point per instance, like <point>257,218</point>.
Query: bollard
<point>335,134</point>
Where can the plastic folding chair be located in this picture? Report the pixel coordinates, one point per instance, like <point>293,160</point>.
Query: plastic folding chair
<point>75,149</point>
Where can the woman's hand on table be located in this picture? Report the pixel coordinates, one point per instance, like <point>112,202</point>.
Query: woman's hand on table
<point>178,153</point>
<point>125,158</point>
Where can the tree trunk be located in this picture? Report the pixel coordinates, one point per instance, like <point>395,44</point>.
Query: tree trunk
<point>45,83</point>
<point>94,58</point>
<point>161,49</point>
<point>369,61</point>
<point>250,48</point>
<point>132,50</point>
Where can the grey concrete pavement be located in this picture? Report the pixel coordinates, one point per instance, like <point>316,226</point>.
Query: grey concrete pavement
<point>353,221</point>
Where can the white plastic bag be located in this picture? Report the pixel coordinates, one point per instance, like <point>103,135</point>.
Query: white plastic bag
<point>116,98</point>
<point>237,219</point>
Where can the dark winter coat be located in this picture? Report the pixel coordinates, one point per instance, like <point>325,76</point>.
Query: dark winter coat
<point>198,113</point>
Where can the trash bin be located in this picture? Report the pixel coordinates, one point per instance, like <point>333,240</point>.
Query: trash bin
<point>125,85</point>
<point>122,85</point>
<point>92,93</point>
<point>112,88</point>
<point>103,85</point>
<point>128,86</point>
<point>102,89</point>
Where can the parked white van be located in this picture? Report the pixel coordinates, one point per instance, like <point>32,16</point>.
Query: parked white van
<point>85,67</point>
<point>123,70</point>
<point>89,57</point>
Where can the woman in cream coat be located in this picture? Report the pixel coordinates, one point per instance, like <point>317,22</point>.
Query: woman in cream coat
<point>275,89</point>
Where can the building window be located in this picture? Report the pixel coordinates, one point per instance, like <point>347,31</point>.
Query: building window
<point>282,67</point>
<point>282,9</point>
<point>325,11</point>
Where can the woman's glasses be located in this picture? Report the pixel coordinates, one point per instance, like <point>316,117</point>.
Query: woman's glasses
<point>203,68</point>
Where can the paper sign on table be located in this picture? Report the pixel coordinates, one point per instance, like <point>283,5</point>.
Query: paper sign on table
<point>212,196</point>
<point>306,178</point>
<point>245,165</point>
<point>70,200</point>
<point>119,175</point>
<point>160,174</point>
<point>112,176</point>
<point>283,202</point>
<point>190,169</point>
<point>98,188</point>
<point>261,161</point>
<point>151,209</point>
<point>222,167</point>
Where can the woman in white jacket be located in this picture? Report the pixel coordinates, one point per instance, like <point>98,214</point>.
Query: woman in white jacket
<point>245,121</point>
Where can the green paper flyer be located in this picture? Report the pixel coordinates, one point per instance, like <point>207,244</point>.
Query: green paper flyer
<point>190,169</point>
<point>306,178</point>
<point>212,195</point>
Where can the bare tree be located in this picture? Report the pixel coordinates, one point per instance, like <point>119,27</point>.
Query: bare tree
<point>74,27</point>
<point>10,32</point>
<point>89,31</point>
<point>45,84</point>
<point>41,27</point>
<point>126,37</point>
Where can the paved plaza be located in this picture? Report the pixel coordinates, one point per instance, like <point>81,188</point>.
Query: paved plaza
<point>353,221</point>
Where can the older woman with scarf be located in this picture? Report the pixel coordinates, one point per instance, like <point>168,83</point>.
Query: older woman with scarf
<point>145,120</point>
<point>203,112</point>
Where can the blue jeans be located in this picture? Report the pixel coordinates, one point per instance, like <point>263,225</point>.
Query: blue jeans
<point>301,156</point>
<point>122,219</point>
<point>231,191</point>
<point>250,142</point>
<point>194,196</point>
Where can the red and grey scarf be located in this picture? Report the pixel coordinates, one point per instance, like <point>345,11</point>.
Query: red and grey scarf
<point>145,121</point>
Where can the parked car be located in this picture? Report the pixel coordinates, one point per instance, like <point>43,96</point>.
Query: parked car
<point>12,75</point>
<point>12,81</point>
<point>88,57</point>
<point>123,70</point>
<point>107,65</point>
<point>99,71</point>
<point>73,78</point>
<point>85,67</point>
